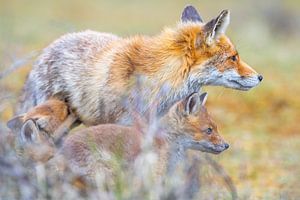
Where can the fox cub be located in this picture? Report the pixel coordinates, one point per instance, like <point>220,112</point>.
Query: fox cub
<point>46,117</point>
<point>187,125</point>
<point>96,72</point>
<point>37,130</point>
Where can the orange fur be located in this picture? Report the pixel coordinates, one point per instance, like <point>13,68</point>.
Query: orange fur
<point>48,116</point>
<point>171,55</point>
<point>55,109</point>
<point>44,119</point>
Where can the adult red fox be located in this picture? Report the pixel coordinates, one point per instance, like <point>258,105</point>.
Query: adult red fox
<point>187,125</point>
<point>96,73</point>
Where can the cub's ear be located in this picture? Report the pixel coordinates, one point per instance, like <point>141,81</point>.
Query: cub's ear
<point>217,26</point>
<point>16,123</point>
<point>29,132</point>
<point>203,98</point>
<point>190,13</point>
<point>192,104</point>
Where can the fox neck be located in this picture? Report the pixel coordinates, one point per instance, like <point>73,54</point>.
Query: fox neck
<point>170,153</point>
<point>172,146</point>
<point>164,71</point>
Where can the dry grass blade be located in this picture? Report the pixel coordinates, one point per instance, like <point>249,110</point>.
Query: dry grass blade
<point>19,63</point>
<point>63,129</point>
<point>227,179</point>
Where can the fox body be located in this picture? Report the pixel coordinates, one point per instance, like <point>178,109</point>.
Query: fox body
<point>96,73</point>
<point>187,125</point>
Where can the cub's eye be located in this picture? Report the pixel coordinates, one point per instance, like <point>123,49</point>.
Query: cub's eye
<point>234,58</point>
<point>208,131</point>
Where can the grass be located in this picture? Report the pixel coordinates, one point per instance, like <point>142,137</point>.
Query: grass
<point>261,125</point>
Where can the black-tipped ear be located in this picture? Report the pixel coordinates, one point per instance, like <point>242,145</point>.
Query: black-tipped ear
<point>203,98</point>
<point>190,13</point>
<point>217,26</point>
<point>16,123</point>
<point>29,132</point>
<point>192,103</point>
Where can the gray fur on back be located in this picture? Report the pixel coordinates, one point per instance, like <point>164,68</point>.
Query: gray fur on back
<point>63,68</point>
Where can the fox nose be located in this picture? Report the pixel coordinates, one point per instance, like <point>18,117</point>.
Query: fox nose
<point>226,146</point>
<point>260,77</point>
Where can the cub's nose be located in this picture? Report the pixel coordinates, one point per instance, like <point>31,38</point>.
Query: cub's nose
<point>226,146</point>
<point>260,77</point>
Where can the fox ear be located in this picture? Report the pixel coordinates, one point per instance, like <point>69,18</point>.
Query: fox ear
<point>192,104</point>
<point>15,124</point>
<point>29,132</point>
<point>191,14</point>
<point>203,98</point>
<point>217,26</point>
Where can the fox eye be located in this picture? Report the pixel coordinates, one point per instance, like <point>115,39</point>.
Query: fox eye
<point>234,58</point>
<point>208,131</point>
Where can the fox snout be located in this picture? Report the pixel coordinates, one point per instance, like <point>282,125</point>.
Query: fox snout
<point>248,77</point>
<point>232,79</point>
<point>209,147</point>
<point>246,82</point>
<point>216,149</point>
<point>260,77</point>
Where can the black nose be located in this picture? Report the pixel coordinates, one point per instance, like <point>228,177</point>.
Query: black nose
<point>226,146</point>
<point>260,77</point>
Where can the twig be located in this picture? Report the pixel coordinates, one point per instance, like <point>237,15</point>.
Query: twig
<point>63,129</point>
<point>220,170</point>
<point>18,64</point>
<point>193,183</point>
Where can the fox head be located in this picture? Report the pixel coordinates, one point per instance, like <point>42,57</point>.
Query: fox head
<point>192,123</point>
<point>39,122</point>
<point>209,57</point>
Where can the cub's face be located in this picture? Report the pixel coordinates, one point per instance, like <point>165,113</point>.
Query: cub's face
<point>195,126</point>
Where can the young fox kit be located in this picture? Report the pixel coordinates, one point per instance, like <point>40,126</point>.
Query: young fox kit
<point>96,72</point>
<point>39,128</point>
<point>187,125</point>
<point>47,117</point>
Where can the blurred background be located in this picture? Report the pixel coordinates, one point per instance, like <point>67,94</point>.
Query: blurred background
<point>262,125</point>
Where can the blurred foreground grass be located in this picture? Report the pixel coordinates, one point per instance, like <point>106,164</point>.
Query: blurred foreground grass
<point>261,125</point>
